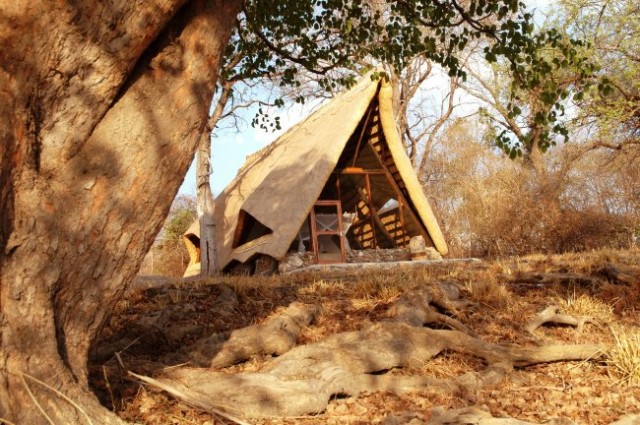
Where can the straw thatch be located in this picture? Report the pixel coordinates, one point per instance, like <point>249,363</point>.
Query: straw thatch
<point>191,239</point>
<point>278,185</point>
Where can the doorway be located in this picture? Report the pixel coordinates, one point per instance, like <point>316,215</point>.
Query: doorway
<point>327,234</point>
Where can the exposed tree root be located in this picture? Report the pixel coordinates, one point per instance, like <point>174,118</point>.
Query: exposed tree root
<point>303,380</point>
<point>551,315</point>
<point>549,278</point>
<point>631,419</point>
<point>471,415</point>
<point>276,335</point>
<point>417,309</point>
<point>465,416</point>
<point>476,416</point>
<point>617,276</point>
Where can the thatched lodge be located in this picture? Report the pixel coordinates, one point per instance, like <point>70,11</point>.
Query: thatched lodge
<point>332,188</point>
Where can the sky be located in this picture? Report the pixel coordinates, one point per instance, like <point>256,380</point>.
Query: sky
<point>230,147</point>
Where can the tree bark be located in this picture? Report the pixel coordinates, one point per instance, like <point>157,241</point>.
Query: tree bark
<point>206,204</point>
<point>208,252</point>
<point>103,106</point>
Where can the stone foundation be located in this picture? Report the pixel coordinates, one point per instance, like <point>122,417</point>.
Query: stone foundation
<point>296,260</point>
<point>378,255</point>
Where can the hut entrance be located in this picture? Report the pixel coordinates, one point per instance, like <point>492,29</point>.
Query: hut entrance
<point>327,232</point>
<point>383,218</point>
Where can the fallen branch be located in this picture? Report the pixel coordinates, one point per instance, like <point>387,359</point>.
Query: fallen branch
<point>619,277</point>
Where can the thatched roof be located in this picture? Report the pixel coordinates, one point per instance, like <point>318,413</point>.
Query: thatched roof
<point>278,185</point>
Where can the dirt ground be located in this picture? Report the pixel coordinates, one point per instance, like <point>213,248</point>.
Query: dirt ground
<point>149,325</point>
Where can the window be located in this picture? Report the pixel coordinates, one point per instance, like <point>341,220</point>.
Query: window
<point>248,229</point>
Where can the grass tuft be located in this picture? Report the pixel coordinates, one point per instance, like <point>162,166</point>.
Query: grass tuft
<point>623,360</point>
<point>585,306</point>
<point>323,288</point>
<point>489,292</point>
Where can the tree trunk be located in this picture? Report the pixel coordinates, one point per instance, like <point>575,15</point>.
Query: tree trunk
<point>208,251</point>
<point>103,106</point>
<point>534,158</point>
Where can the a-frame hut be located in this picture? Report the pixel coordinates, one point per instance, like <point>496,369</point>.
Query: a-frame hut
<point>339,180</point>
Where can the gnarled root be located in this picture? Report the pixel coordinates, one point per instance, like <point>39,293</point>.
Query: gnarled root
<point>276,335</point>
<point>551,315</point>
<point>303,380</point>
<point>474,415</point>
<point>464,416</point>
<point>417,309</point>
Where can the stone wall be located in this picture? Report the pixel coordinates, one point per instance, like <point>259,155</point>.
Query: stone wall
<point>295,260</point>
<point>378,255</point>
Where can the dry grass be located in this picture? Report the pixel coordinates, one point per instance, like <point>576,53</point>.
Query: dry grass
<point>584,305</point>
<point>624,299</point>
<point>351,302</point>
<point>487,291</point>
<point>380,286</point>
<point>445,366</point>
<point>248,285</point>
<point>323,288</point>
<point>623,362</point>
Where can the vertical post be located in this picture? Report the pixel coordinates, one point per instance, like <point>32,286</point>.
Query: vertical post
<point>314,234</point>
<point>340,232</point>
<point>367,184</point>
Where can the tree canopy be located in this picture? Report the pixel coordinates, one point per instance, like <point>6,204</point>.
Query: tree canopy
<point>337,40</point>
<point>322,35</point>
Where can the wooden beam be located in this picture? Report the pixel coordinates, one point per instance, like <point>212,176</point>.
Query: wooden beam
<point>365,124</point>
<point>395,186</point>
<point>376,218</point>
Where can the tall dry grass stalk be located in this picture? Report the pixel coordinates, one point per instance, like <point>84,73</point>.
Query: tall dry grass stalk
<point>623,360</point>
<point>584,305</point>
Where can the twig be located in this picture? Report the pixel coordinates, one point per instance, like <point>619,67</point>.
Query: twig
<point>130,344</point>
<point>49,387</point>
<point>33,398</point>
<point>119,359</point>
<point>106,380</point>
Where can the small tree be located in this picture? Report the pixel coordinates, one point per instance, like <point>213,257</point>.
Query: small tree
<point>528,120</point>
<point>181,215</point>
<point>609,113</point>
